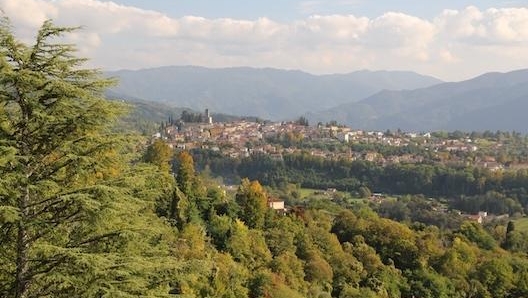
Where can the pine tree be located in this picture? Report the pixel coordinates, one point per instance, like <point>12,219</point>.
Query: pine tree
<point>74,217</point>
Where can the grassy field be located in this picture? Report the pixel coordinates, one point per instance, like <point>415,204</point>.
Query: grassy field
<point>307,192</point>
<point>521,224</point>
<point>321,193</point>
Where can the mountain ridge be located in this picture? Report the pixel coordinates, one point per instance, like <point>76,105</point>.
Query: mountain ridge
<point>265,92</point>
<point>440,107</point>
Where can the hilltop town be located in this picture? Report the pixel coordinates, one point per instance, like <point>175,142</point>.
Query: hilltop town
<point>241,138</point>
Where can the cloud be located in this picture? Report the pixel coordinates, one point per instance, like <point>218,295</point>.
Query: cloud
<point>29,13</point>
<point>455,44</point>
<point>493,26</point>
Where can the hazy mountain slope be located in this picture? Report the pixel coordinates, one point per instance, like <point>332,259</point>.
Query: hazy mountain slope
<point>509,116</point>
<point>145,117</point>
<point>268,93</point>
<point>443,106</point>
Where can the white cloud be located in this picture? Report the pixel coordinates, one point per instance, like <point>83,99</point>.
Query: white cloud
<point>29,13</point>
<point>332,29</point>
<point>453,45</point>
<point>493,26</point>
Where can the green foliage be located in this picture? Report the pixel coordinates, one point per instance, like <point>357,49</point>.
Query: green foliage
<point>497,276</point>
<point>185,174</point>
<point>364,192</point>
<point>190,117</point>
<point>317,269</point>
<point>253,202</point>
<point>475,233</point>
<point>472,189</point>
<point>229,278</point>
<point>429,284</point>
<point>160,154</point>
<point>76,218</point>
<point>248,246</point>
<point>219,229</point>
<point>290,269</point>
<point>522,224</point>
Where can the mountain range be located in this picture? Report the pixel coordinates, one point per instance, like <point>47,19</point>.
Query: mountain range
<point>267,93</point>
<point>364,99</point>
<point>493,101</point>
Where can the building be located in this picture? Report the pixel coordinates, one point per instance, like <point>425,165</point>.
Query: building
<point>208,119</point>
<point>277,205</point>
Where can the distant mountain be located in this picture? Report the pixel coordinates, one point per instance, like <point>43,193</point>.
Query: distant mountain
<point>493,101</point>
<point>268,93</point>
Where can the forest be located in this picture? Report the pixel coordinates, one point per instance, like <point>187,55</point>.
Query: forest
<point>89,210</point>
<point>468,188</point>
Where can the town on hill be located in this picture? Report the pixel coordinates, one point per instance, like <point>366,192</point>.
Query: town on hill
<point>242,138</point>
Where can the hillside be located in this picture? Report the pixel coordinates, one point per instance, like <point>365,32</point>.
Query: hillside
<point>267,93</point>
<point>145,116</point>
<point>493,101</point>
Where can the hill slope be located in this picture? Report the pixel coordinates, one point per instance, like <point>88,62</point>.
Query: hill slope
<point>493,101</point>
<point>267,93</point>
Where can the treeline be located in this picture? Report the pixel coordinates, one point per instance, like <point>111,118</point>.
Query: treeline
<point>461,184</point>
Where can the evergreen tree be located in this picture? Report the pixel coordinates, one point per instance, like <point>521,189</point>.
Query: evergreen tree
<point>69,224</point>
<point>302,121</point>
<point>189,194</point>
<point>186,174</point>
<point>253,202</point>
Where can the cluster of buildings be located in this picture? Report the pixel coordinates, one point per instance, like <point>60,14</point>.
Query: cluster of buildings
<point>242,138</point>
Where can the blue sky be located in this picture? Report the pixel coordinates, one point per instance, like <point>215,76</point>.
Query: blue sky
<point>451,40</point>
<point>285,10</point>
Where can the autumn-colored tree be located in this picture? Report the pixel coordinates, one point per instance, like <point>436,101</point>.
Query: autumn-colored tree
<point>160,154</point>
<point>253,202</point>
<point>189,199</point>
<point>185,174</point>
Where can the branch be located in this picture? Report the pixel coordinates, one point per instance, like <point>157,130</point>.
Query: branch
<point>94,239</point>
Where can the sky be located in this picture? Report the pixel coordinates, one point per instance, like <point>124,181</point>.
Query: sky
<point>451,40</point>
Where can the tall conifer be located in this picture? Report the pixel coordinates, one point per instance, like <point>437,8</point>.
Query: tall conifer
<point>73,222</point>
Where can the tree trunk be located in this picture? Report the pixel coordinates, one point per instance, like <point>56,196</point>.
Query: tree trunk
<point>22,266</point>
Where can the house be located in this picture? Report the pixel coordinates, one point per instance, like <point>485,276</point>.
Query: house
<point>377,197</point>
<point>491,165</point>
<point>331,190</point>
<point>277,205</point>
<point>474,217</point>
<point>479,218</point>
